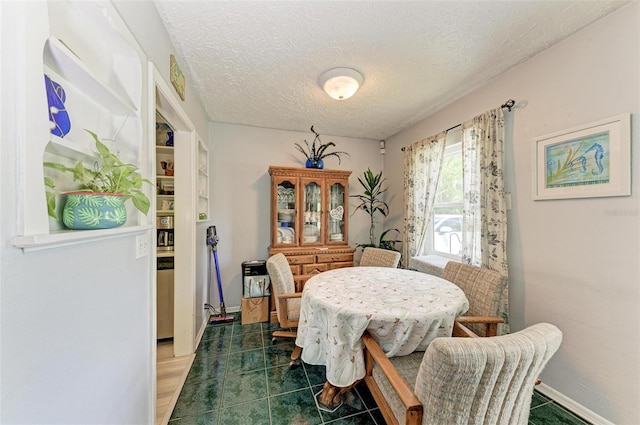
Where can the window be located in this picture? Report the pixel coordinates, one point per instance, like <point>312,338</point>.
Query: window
<point>455,179</point>
<point>445,230</point>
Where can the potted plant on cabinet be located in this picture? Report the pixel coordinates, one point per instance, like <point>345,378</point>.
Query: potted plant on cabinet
<point>371,202</point>
<point>99,203</point>
<point>317,151</point>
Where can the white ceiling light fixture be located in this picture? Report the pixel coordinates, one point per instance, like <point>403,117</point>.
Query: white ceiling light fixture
<point>341,83</point>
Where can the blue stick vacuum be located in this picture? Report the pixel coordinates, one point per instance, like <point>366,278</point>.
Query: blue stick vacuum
<point>212,242</point>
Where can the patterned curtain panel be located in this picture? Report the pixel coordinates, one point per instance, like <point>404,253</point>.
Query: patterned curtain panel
<point>422,166</point>
<point>484,234</point>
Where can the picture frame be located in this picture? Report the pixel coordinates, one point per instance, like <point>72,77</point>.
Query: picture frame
<point>588,161</point>
<point>177,77</point>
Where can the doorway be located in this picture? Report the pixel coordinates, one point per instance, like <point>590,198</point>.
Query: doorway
<point>174,239</point>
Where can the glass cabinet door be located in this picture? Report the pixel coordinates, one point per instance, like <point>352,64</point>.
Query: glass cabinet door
<point>337,200</point>
<point>286,212</point>
<point>312,212</point>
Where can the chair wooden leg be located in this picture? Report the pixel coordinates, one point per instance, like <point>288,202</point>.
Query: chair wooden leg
<point>296,353</point>
<point>295,358</point>
<point>492,329</point>
<point>331,396</point>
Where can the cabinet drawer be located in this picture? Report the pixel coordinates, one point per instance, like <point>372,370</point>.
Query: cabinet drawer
<point>295,270</point>
<point>301,259</point>
<point>314,268</point>
<point>332,258</point>
<point>340,265</point>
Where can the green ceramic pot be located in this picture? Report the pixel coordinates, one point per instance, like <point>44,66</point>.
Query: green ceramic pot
<point>92,210</point>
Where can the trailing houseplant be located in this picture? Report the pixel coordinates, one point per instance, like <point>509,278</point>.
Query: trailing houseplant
<point>317,151</point>
<point>99,202</point>
<point>371,202</point>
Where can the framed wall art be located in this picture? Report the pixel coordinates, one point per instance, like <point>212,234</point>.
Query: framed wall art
<point>592,160</point>
<point>177,77</point>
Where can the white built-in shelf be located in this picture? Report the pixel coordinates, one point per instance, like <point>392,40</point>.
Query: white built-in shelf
<point>65,237</point>
<point>59,58</point>
<point>159,196</point>
<point>103,100</point>
<point>69,148</point>
<point>165,149</point>
<point>161,254</point>
<point>202,180</point>
<point>164,212</point>
<point>163,177</point>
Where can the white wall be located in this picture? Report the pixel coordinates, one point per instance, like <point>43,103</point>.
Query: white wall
<point>75,333</point>
<point>75,321</point>
<point>144,22</point>
<point>76,328</point>
<point>241,188</point>
<point>573,263</point>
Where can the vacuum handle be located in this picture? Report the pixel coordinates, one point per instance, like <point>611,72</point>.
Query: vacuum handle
<point>212,237</point>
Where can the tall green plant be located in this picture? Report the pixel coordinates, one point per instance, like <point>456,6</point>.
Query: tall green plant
<point>371,202</point>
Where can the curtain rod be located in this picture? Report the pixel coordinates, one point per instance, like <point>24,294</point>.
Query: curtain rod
<point>508,104</point>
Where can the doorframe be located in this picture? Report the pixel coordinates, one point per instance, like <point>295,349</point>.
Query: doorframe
<point>163,100</point>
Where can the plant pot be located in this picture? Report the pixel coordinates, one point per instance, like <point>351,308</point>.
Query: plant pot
<point>92,210</point>
<point>314,163</point>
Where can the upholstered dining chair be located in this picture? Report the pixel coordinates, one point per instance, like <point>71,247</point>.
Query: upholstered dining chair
<point>287,301</point>
<point>483,288</point>
<point>377,257</point>
<point>473,381</point>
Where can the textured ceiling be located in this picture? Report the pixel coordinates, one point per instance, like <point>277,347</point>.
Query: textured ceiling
<point>258,63</point>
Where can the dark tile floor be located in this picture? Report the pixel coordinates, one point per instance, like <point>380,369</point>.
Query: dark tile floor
<point>239,377</point>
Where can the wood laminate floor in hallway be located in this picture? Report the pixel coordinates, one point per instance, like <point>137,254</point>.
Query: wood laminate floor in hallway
<point>171,374</point>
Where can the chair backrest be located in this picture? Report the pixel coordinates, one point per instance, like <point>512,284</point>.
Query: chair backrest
<point>482,287</point>
<point>484,380</point>
<point>377,257</point>
<point>281,277</point>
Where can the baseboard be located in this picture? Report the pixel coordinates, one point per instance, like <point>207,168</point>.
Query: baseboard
<point>216,310</point>
<point>203,327</point>
<point>572,405</point>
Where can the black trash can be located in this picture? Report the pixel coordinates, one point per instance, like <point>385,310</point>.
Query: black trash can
<point>255,279</point>
<point>255,292</point>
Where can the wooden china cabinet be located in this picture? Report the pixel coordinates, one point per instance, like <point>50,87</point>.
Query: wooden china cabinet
<point>310,220</point>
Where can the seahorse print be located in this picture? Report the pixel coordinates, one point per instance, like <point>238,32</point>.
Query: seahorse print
<point>583,164</point>
<point>598,155</point>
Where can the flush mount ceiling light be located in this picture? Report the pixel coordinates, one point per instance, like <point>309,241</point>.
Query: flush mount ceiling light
<point>341,83</point>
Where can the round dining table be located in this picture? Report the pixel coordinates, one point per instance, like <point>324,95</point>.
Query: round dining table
<point>403,310</point>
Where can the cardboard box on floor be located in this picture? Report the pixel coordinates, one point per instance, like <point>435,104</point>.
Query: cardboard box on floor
<point>255,310</point>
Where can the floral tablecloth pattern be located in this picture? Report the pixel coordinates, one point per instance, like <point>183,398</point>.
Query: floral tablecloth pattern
<point>402,309</point>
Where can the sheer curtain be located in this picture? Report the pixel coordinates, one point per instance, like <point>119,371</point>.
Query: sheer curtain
<point>422,166</point>
<point>484,234</point>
